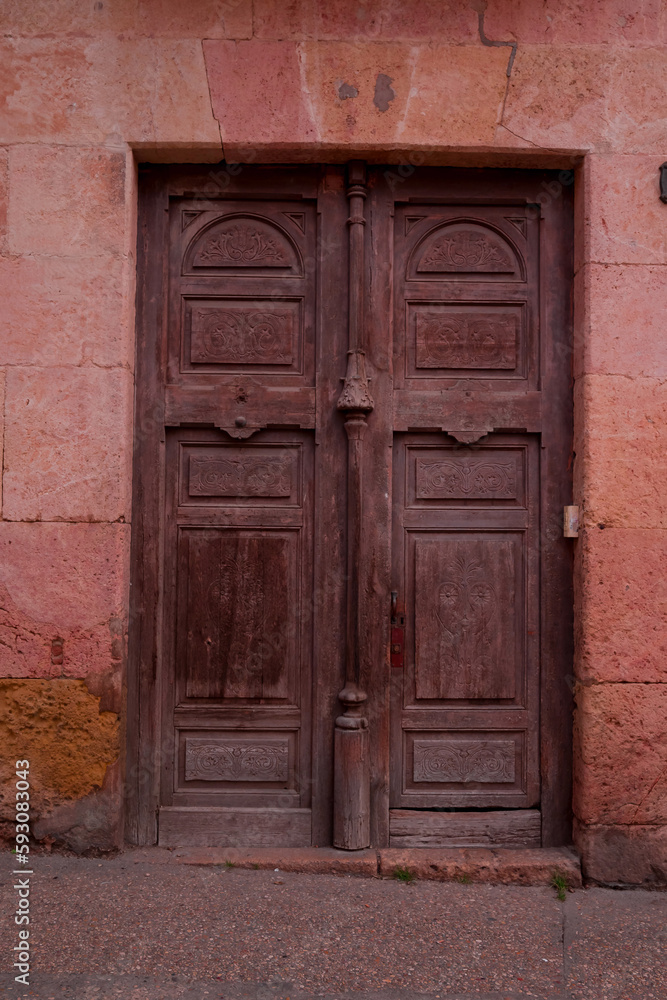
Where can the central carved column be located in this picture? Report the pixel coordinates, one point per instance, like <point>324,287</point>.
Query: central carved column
<point>351,738</point>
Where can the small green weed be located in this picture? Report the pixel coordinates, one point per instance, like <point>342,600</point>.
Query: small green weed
<point>559,883</point>
<point>256,866</point>
<point>229,864</point>
<point>403,875</point>
<point>464,880</point>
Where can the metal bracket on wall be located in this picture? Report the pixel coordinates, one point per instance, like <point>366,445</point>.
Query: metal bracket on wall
<point>570,522</point>
<point>663,182</point>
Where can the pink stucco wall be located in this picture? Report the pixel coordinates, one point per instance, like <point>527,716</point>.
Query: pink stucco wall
<point>87,90</point>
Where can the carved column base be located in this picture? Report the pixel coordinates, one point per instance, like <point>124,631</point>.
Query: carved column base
<point>352,786</point>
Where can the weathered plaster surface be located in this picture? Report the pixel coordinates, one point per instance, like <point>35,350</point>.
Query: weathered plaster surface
<point>63,581</point>
<point>87,89</point>
<point>56,725</point>
<point>64,460</point>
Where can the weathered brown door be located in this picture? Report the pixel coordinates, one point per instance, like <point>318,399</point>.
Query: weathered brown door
<point>286,508</point>
<point>481,448</point>
<point>239,573</point>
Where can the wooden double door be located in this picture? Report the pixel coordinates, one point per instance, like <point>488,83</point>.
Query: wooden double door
<point>351,599</point>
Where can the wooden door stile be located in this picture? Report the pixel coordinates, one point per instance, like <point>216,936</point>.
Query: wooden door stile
<point>351,740</point>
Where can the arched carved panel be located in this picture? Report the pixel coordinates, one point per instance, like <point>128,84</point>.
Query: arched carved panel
<point>242,242</point>
<point>466,247</point>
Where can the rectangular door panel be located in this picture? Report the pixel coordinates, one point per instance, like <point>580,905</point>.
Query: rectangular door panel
<point>441,477</point>
<point>459,339</point>
<point>506,828</point>
<point>237,826</point>
<point>248,475</point>
<point>467,615</point>
<point>263,758</point>
<point>465,763</point>
<point>238,614</point>
<point>260,768</point>
<point>254,334</point>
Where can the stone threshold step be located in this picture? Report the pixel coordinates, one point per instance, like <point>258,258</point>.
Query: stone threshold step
<point>495,866</point>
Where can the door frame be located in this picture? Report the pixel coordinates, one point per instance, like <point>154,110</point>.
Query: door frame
<point>143,746</point>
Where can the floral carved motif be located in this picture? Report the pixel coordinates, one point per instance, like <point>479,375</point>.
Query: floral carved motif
<point>247,477</point>
<point>465,340</point>
<point>466,607</point>
<point>242,336</point>
<point>467,616</point>
<point>466,250</point>
<point>237,760</point>
<point>240,245</point>
<point>460,761</point>
<point>459,479</point>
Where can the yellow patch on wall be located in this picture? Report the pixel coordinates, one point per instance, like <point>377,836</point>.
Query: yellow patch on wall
<point>58,727</point>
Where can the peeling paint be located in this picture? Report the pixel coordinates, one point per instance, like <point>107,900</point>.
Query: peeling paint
<point>57,725</point>
<point>346,90</point>
<point>383,92</point>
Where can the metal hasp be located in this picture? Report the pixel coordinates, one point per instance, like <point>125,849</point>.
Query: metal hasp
<point>397,633</point>
<point>351,738</point>
<point>663,182</point>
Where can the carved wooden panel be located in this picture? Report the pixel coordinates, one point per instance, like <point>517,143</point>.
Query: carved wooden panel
<point>243,242</point>
<point>465,299</point>
<point>446,339</point>
<point>472,338</point>
<point>239,611</point>
<point>459,478</point>
<point>241,475</point>
<point>241,299</point>
<point>231,758</point>
<point>249,475</point>
<point>467,616</point>
<point>481,475</point>
<point>465,247</point>
<point>244,332</point>
<point>457,760</point>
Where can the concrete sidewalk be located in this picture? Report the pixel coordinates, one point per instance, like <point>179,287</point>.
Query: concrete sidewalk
<point>145,926</point>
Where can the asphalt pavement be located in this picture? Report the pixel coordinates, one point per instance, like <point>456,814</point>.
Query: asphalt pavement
<point>157,929</point>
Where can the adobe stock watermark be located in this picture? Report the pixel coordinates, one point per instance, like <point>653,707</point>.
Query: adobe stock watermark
<point>21,948</point>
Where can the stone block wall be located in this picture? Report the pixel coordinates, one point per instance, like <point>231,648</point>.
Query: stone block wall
<point>88,89</point>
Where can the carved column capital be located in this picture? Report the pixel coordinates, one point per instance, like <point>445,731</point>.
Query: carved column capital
<point>356,394</point>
